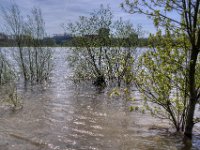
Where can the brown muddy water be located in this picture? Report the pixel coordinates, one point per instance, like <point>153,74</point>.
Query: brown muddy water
<point>63,116</point>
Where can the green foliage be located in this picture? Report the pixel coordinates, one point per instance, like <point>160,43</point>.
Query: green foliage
<point>161,77</point>
<point>180,71</point>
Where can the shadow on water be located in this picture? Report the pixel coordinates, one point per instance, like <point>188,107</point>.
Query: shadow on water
<point>62,116</point>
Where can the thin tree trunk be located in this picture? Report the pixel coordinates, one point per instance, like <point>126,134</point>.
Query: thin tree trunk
<point>22,62</point>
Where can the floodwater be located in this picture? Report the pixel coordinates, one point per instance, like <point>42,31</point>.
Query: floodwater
<point>63,116</point>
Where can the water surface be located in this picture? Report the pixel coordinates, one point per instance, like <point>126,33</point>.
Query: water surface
<point>63,116</point>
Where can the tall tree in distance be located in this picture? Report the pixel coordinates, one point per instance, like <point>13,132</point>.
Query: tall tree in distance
<point>187,22</point>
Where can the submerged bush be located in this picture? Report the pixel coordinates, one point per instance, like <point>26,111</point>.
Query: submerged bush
<point>8,83</point>
<point>7,74</point>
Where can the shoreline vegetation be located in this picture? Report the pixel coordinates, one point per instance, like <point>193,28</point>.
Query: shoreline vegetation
<point>61,41</point>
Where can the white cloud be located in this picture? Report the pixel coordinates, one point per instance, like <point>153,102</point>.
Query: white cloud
<point>56,12</point>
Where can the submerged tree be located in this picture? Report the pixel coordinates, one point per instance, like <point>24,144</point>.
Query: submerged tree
<point>91,37</point>
<point>187,24</point>
<point>103,50</point>
<point>161,78</point>
<point>39,56</point>
<point>34,60</point>
<point>15,27</point>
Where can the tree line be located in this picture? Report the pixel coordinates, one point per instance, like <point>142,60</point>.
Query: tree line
<point>63,41</point>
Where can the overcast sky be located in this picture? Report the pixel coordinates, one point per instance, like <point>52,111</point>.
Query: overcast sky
<point>57,12</point>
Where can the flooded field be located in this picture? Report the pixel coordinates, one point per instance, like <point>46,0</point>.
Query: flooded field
<point>62,116</point>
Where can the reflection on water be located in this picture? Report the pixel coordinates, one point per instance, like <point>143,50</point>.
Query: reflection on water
<point>62,116</point>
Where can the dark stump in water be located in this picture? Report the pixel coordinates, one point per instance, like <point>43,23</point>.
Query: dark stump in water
<point>100,81</point>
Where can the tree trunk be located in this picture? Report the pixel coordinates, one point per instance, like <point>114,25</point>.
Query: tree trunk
<point>22,63</point>
<point>189,118</point>
<point>193,94</point>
